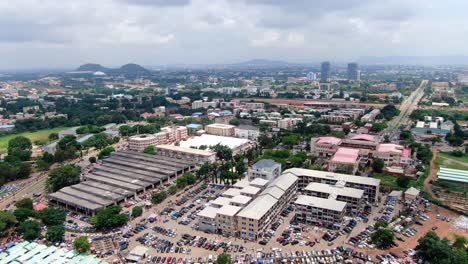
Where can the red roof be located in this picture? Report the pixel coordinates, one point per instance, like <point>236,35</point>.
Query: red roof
<point>346,155</point>
<point>328,140</point>
<point>365,137</point>
<point>39,206</point>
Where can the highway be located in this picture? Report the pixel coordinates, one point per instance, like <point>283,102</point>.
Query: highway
<point>406,108</point>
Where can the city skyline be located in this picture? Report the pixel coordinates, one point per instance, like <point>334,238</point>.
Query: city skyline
<point>53,34</point>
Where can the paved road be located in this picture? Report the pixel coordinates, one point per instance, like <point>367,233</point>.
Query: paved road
<point>406,108</point>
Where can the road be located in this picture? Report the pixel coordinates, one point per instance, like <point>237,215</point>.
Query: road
<point>406,108</point>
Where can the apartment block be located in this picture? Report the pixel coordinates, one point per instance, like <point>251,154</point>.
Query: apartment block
<point>352,197</point>
<point>319,211</point>
<point>220,130</point>
<point>265,169</point>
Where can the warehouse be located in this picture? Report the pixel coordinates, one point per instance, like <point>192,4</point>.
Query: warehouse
<point>122,175</point>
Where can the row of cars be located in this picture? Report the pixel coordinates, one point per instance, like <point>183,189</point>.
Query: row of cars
<point>208,244</point>
<point>161,245</point>
<point>164,231</point>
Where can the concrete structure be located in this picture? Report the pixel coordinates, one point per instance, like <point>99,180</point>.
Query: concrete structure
<point>140,142</point>
<point>325,72</point>
<point>370,117</point>
<point>411,194</point>
<point>351,196</point>
<point>345,159</point>
<point>370,186</point>
<point>247,132</point>
<point>137,254</point>
<point>220,130</point>
<point>319,211</point>
<point>288,123</point>
<point>265,169</point>
<point>393,154</point>
<point>122,175</point>
<point>235,144</point>
<point>197,155</point>
<point>432,126</point>
<point>353,72</point>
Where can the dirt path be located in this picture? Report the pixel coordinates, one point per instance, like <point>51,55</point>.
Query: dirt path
<point>432,173</point>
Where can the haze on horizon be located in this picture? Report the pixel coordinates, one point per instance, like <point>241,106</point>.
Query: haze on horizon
<point>57,33</point>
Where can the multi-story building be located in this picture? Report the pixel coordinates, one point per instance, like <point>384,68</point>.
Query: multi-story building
<point>345,159</point>
<point>288,123</point>
<point>353,72</point>
<point>370,117</point>
<point>198,155</point>
<point>265,169</point>
<point>325,72</point>
<point>140,142</point>
<point>324,146</point>
<point>247,132</point>
<point>393,154</point>
<point>220,130</point>
<point>352,197</point>
<point>370,186</point>
<point>202,104</point>
<point>253,106</point>
<point>319,211</point>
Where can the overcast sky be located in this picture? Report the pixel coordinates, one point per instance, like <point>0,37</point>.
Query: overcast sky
<point>67,33</point>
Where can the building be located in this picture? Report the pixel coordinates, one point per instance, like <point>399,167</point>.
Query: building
<point>453,175</point>
<point>353,72</point>
<point>411,194</point>
<point>196,155</point>
<point>288,123</point>
<point>325,72</point>
<point>324,146</point>
<point>265,169</point>
<point>351,196</point>
<point>68,132</point>
<point>202,104</point>
<point>370,186</point>
<point>345,160</point>
<point>370,117</point>
<point>256,217</point>
<point>432,126</point>
<point>319,211</point>
<point>247,132</point>
<point>140,142</point>
<point>254,106</point>
<point>193,128</point>
<point>137,254</point>
<point>220,130</point>
<point>235,144</point>
<point>393,154</point>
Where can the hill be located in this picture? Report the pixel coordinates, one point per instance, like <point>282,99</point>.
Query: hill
<point>133,69</point>
<point>92,67</point>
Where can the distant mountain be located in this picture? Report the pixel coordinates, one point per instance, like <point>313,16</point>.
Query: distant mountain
<point>416,60</point>
<point>92,67</point>
<point>263,62</point>
<point>133,69</point>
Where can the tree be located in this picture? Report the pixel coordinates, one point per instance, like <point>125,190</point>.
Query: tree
<point>30,229</point>
<point>24,203</point>
<point>7,220</point>
<point>158,197</point>
<point>23,214</point>
<point>377,127</point>
<point>172,189</point>
<point>53,136</point>
<point>55,233</point>
<point>434,250</point>
<point>109,217</point>
<point>234,122</point>
<point>222,152</point>
<point>389,111</point>
<point>290,140</point>
<point>405,135</point>
<point>460,242</point>
<point>386,139</point>
<point>380,224</point>
<point>62,176</point>
<point>378,165</point>
<point>81,244</point>
<point>189,178</point>
<point>181,182</point>
<point>149,150</point>
<point>383,238</point>
<point>52,216</point>
<point>346,130</point>
<point>137,211</point>
<point>106,152</point>
<point>224,258</point>
<point>403,181</point>
<point>92,159</point>
<point>20,147</point>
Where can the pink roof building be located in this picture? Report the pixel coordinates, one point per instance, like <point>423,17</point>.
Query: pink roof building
<point>328,140</point>
<point>39,206</point>
<point>346,155</point>
<point>393,154</point>
<point>365,137</point>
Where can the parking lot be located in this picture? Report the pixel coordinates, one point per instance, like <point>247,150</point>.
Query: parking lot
<point>169,230</point>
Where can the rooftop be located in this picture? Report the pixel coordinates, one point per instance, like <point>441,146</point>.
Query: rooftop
<point>212,140</point>
<point>258,207</point>
<point>265,164</point>
<point>232,192</point>
<point>241,199</point>
<point>217,125</point>
<point>328,140</point>
<point>259,182</point>
<point>229,210</point>
<point>334,190</point>
<point>329,204</point>
<point>333,176</point>
<point>346,155</point>
<point>208,212</point>
<point>200,152</point>
<point>364,137</point>
<point>453,175</point>
<point>388,147</point>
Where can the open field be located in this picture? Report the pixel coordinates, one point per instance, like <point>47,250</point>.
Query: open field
<point>452,162</point>
<point>38,135</point>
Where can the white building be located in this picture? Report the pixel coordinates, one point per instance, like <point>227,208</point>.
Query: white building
<point>247,132</point>
<point>265,169</point>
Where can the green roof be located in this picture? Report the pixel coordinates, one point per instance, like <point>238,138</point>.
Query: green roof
<point>453,175</point>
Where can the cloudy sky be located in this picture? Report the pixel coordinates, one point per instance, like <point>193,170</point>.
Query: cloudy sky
<point>66,33</point>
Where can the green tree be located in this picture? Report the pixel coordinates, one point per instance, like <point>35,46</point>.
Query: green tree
<point>377,127</point>
<point>24,203</point>
<point>378,165</point>
<point>234,122</point>
<point>223,152</point>
<point>172,189</point>
<point>20,147</point>
<point>380,224</point>
<point>181,182</point>
<point>461,242</point>
<point>383,238</point>
<point>92,159</point>
<point>52,216</point>
<point>55,233</point>
<point>224,258</point>
<point>53,136</point>
<point>190,178</point>
<point>106,152</point>
<point>81,244</point>
<point>30,229</point>
<point>137,211</point>
<point>403,181</point>
<point>7,220</point>
<point>158,197</point>
<point>62,176</point>
<point>23,214</point>
<point>290,140</point>
<point>109,217</point>
<point>149,150</point>
<point>434,250</point>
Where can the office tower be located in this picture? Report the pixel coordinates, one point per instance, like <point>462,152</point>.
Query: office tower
<point>353,72</point>
<point>311,76</point>
<point>325,72</point>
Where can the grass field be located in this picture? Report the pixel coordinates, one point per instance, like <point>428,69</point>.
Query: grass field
<point>449,161</point>
<point>463,159</point>
<point>38,135</point>
<point>391,181</point>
